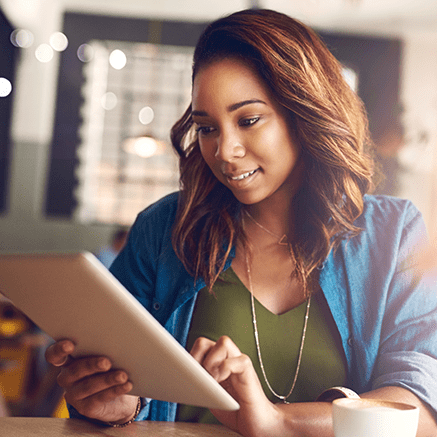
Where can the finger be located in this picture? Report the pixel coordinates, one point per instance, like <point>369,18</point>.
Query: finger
<point>223,349</point>
<point>82,368</point>
<point>240,366</point>
<point>103,387</point>
<point>237,375</point>
<point>57,354</point>
<point>201,348</point>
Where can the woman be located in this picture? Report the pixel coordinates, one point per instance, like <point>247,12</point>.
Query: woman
<point>272,264</point>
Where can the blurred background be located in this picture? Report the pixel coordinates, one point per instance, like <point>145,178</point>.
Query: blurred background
<point>90,88</point>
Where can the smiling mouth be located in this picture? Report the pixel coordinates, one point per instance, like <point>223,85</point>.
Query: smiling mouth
<point>242,176</point>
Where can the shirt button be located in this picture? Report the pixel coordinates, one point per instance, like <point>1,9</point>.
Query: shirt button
<point>156,306</point>
<point>350,342</point>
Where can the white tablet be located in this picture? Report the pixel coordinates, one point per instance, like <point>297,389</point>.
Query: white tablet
<point>74,296</point>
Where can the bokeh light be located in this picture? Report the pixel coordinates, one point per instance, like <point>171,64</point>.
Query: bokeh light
<point>85,53</point>
<point>109,101</point>
<point>5,87</point>
<point>44,53</point>
<point>22,38</point>
<point>117,59</point>
<point>58,41</point>
<point>144,147</point>
<point>146,115</point>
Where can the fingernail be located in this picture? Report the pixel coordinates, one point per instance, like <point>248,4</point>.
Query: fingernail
<point>120,377</point>
<point>103,364</point>
<point>66,347</point>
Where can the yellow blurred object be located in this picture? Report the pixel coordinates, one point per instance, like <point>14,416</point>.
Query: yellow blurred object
<point>11,328</point>
<point>12,321</point>
<point>61,411</point>
<point>27,386</point>
<point>13,371</point>
<point>15,358</point>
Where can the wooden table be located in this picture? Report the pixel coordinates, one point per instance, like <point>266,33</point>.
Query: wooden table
<point>48,427</point>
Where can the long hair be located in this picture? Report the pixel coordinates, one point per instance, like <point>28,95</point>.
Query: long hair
<point>330,127</point>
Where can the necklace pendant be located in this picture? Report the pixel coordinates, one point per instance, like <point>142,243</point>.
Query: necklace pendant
<point>283,241</point>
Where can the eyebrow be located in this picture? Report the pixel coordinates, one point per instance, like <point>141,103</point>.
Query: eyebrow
<point>230,108</point>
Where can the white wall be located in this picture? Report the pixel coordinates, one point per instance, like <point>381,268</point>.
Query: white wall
<point>419,96</point>
<point>24,227</point>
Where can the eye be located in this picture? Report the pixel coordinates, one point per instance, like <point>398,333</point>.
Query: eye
<point>204,130</point>
<point>247,122</point>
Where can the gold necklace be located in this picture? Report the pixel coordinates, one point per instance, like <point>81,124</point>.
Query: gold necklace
<point>283,241</point>
<point>283,398</point>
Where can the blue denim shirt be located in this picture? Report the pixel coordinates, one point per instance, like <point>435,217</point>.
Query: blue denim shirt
<point>386,316</point>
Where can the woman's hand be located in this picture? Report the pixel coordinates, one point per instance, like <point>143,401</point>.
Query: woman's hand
<point>91,386</point>
<point>234,371</point>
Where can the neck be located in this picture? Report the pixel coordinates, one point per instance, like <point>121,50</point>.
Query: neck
<point>277,218</point>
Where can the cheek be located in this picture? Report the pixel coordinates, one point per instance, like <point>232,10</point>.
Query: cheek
<point>208,155</point>
<point>273,138</point>
<point>283,144</point>
<point>206,152</point>
<point>271,147</point>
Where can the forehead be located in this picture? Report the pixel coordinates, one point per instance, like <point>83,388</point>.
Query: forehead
<point>227,81</point>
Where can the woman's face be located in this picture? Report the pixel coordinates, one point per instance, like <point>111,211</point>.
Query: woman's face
<point>244,134</point>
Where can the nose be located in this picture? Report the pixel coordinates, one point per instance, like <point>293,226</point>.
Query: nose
<point>229,148</point>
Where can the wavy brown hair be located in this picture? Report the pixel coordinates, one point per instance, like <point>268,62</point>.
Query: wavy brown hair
<point>329,124</point>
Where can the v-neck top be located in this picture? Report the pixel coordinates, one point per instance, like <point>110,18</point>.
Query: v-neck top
<point>228,312</point>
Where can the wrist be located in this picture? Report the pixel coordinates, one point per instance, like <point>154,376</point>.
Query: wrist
<point>127,420</point>
<point>306,418</point>
<point>271,422</point>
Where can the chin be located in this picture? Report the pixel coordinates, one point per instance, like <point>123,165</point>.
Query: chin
<point>247,198</point>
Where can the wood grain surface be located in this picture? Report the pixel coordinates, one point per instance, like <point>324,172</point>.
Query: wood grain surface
<point>50,427</point>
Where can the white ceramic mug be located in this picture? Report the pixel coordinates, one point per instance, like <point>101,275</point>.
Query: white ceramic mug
<point>374,418</point>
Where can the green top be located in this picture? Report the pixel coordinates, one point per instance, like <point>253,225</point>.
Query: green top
<point>323,363</point>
